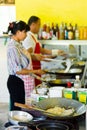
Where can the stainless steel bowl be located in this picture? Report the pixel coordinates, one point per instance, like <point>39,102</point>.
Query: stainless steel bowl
<point>16,128</point>
<point>75,70</point>
<point>15,117</point>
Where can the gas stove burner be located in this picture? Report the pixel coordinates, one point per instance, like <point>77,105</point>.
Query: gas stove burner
<point>73,125</point>
<point>70,124</point>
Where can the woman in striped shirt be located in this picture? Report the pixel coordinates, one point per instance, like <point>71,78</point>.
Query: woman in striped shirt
<point>18,60</point>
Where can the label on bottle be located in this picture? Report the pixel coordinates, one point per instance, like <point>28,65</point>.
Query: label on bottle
<point>82,96</point>
<point>70,35</point>
<point>70,93</point>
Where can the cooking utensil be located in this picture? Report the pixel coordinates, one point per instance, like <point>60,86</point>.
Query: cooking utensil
<point>54,60</point>
<point>69,64</point>
<point>31,107</point>
<point>69,73</point>
<point>67,61</point>
<point>84,73</point>
<point>61,102</point>
<point>42,110</point>
<point>41,79</point>
<point>51,126</point>
<point>72,51</point>
<point>60,82</point>
<point>16,116</point>
<point>47,125</point>
<point>16,128</point>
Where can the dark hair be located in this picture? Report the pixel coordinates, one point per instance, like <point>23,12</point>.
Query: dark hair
<point>17,25</point>
<point>33,19</point>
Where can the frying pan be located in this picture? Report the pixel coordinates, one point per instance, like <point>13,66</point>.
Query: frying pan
<point>61,102</point>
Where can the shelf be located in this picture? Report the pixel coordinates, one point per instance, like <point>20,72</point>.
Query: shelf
<point>63,42</point>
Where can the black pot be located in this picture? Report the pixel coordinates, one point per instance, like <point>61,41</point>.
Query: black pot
<point>46,125</point>
<point>51,126</point>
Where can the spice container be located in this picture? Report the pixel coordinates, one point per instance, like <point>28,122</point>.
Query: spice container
<point>70,93</point>
<point>82,95</point>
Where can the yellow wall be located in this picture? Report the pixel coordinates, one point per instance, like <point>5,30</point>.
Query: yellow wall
<point>73,11</point>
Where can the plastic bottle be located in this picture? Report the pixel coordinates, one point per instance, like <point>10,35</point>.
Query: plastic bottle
<point>77,82</point>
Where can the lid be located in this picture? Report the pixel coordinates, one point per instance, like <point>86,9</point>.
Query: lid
<point>69,84</point>
<point>77,77</point>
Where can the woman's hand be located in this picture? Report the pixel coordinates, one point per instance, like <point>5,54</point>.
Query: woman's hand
<point>39,72</point>
<point>38,57</point>
<point>61,53</point>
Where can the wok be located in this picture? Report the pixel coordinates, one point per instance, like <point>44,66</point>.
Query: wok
<point>61,102</point>
<point>61,82</point>
<point>71,72</point>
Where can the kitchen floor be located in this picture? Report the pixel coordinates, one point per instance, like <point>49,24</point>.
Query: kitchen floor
<point>4,108</point>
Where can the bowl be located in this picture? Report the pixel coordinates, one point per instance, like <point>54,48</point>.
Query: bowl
<point>15,117</point>
<point>42,91</point>
<point>75,70</point>
<point>16,128</point>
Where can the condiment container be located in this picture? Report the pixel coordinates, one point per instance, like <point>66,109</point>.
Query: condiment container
<point>70,93</point>
<point>82,95</point>
<point>56,91</point>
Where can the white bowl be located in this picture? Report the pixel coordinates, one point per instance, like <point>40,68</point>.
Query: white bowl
<point>15,117</point>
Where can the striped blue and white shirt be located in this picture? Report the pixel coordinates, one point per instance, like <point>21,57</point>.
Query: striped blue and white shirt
<point>15,59</point>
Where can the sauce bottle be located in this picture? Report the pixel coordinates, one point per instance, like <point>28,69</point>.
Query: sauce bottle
<point>70,32</point>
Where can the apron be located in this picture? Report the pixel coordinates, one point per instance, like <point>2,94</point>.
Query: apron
<point>29,82</point>
<point>36,64</point>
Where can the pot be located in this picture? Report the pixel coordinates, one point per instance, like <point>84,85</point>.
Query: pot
<point>46,125</point>
<point>44,104</point>
<point>51,126</point>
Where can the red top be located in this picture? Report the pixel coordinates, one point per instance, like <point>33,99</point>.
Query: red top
<point>36,64</point>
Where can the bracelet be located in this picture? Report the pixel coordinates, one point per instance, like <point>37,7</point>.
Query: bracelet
<point>54,52</point>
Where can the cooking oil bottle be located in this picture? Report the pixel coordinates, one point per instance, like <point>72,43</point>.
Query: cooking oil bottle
<point>77,82</point>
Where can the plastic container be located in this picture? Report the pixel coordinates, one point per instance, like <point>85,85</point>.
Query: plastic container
<point>70,93</point>
<point>82,95</point>
<point>56,92</point>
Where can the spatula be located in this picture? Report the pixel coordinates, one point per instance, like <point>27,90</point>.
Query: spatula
<point>44,111</point>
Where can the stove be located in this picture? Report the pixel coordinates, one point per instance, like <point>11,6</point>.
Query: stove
<point>73,124</point>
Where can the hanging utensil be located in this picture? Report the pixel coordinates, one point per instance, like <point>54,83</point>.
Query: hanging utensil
<point>69,64</point>
<point>72,51</point>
